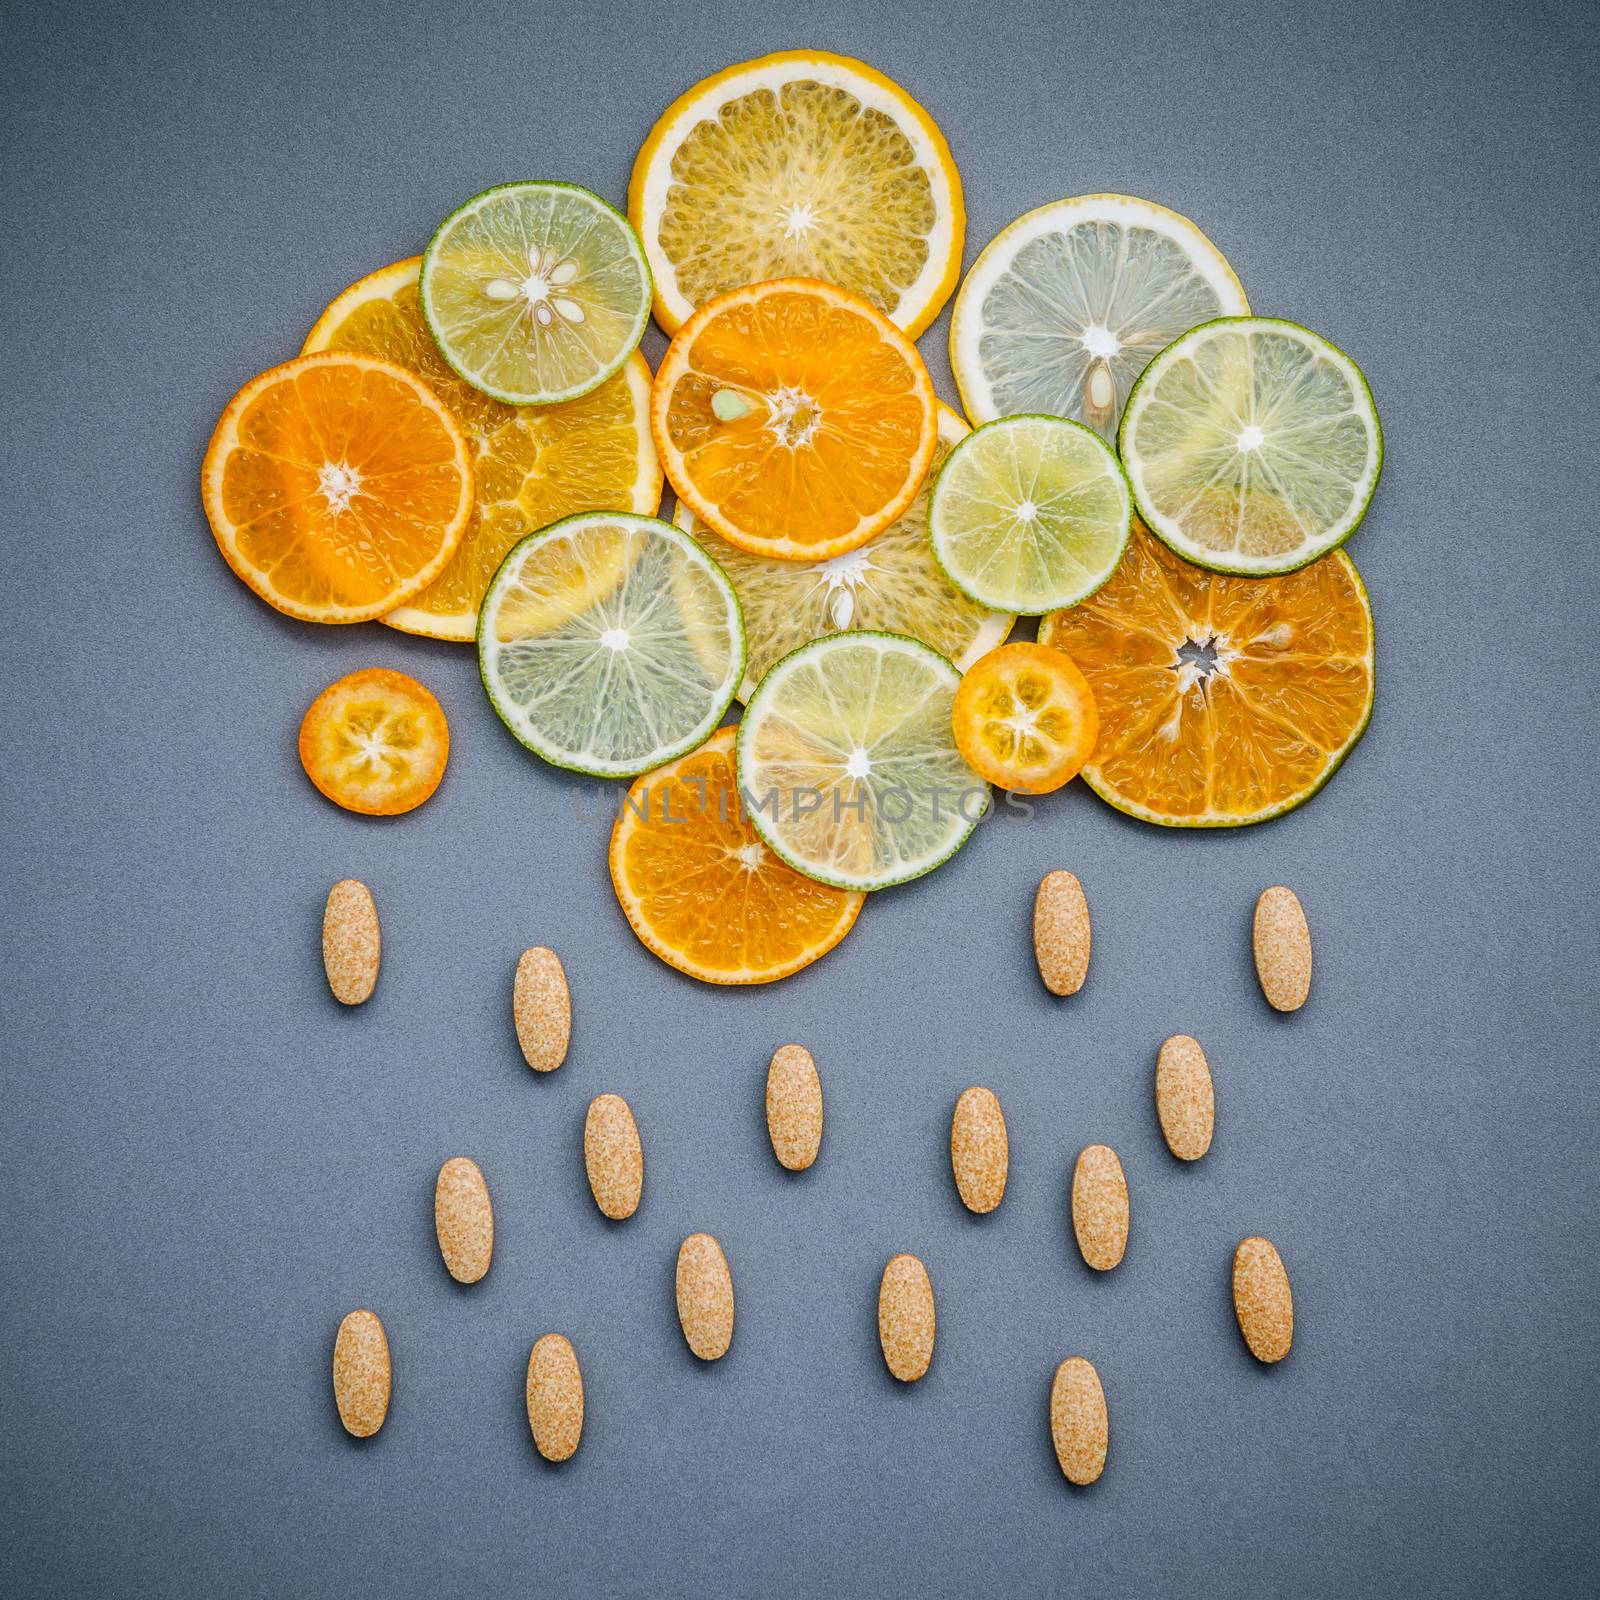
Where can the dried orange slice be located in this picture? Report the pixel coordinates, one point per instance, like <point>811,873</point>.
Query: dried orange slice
<point>375,742</point>
<point>338,486</point>
<point>533,465</point>
<point>1222,700</point>
<point>1024,718</point>
<point>700,888</point>
<point>794,419</point>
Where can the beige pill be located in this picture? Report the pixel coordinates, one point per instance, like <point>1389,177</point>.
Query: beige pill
<point>1261,1300</point>
<point>705,1296</point>
<point>794,1107</point>
<point>613,1156</point>
<point>361,1374</point>
<point>1078,1422</point>
<point>905,1318</point>
<point>1100,1206</point>
<point>979,1151</point>
<point>351,942</point>
<point>1283,948</point>
<point>1061,933</point>
<point>1185,1101</point>
<point>542,1005</point>
<point>555,1397</point>
<point>463,1218</point>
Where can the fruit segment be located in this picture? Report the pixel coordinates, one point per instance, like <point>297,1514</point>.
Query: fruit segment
<point>793,419</point>
<point>337,486</point>
<point>700,888</point>
<point>800,164</point>
<point>1222,700</point>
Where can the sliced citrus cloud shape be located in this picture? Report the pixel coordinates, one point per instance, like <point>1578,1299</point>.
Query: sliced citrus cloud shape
<point>376,742</point>
<point>801,164</point>
<point>1025,718</point>
<point>892,584</point>
<point>1222,700</point>
<point>700,888</point>
<point>793,419</point>
<point>338,486</point>
<point>1065,307</point>
<point>533,465</point>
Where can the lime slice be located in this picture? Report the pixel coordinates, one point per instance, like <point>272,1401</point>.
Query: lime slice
<point>610,643</point>
<point>847,765</point>
<point>1030,514</point>
<point>892,584</point>
<point>535,292</point>
<point>1252,446</point>
<point>1064,308</point>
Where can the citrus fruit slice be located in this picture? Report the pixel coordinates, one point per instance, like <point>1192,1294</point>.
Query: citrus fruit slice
<point>890,585</point>
<point>700,888</point>
<point>1024,717</point>
<point>802,164</point>
<point>1030,513</point>
<point>1252,445</point>
<point>338,486</point>
<point>793,419</point>
<point>533,464</point>
<point>375,742</point>
<point>535,292</point>
<point>848,766</point>
<point>1222,700</point>
<point>610,643</point>
<point>1064,308</point>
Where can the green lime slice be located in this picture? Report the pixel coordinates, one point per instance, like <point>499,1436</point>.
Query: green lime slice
<point>610,643</point>
<point>1252,446</point>
<point>847,765</point>
<point>1030,514</point>
<point>891,584</point>
<point>535,292</point>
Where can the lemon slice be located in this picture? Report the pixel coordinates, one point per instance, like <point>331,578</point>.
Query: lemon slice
<point>1252,446</point>
<point>892,584</point>
<point>535,292</point>
<point>1030,514</point>
<point>847,764</point>
<point>1063,309</point>
<point>532,465</point>
<point>610,644</point>
<point>802,164</point>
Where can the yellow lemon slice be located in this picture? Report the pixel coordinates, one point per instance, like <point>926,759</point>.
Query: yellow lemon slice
<point>802,164</point>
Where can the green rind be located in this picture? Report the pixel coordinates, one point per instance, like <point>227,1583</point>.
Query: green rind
<point>753,814</point>
<point>506,397</point>
<point>1007,605</point>
<point>703,732</point>
<point>1089,774</point>
<point>1212,565</point>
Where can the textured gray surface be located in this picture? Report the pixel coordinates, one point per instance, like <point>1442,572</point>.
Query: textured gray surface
<point>204,1162</point>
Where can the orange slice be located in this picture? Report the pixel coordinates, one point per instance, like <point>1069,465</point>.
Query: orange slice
<point>1222,700</point>
<point>338,486</point>
<point>533,465</point>
<point>375,742</point>
<point>1024,718</point>
<point>700,888</point>
<point>794,419</point>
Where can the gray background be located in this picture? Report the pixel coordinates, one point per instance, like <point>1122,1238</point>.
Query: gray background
<point>204,1161</point>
